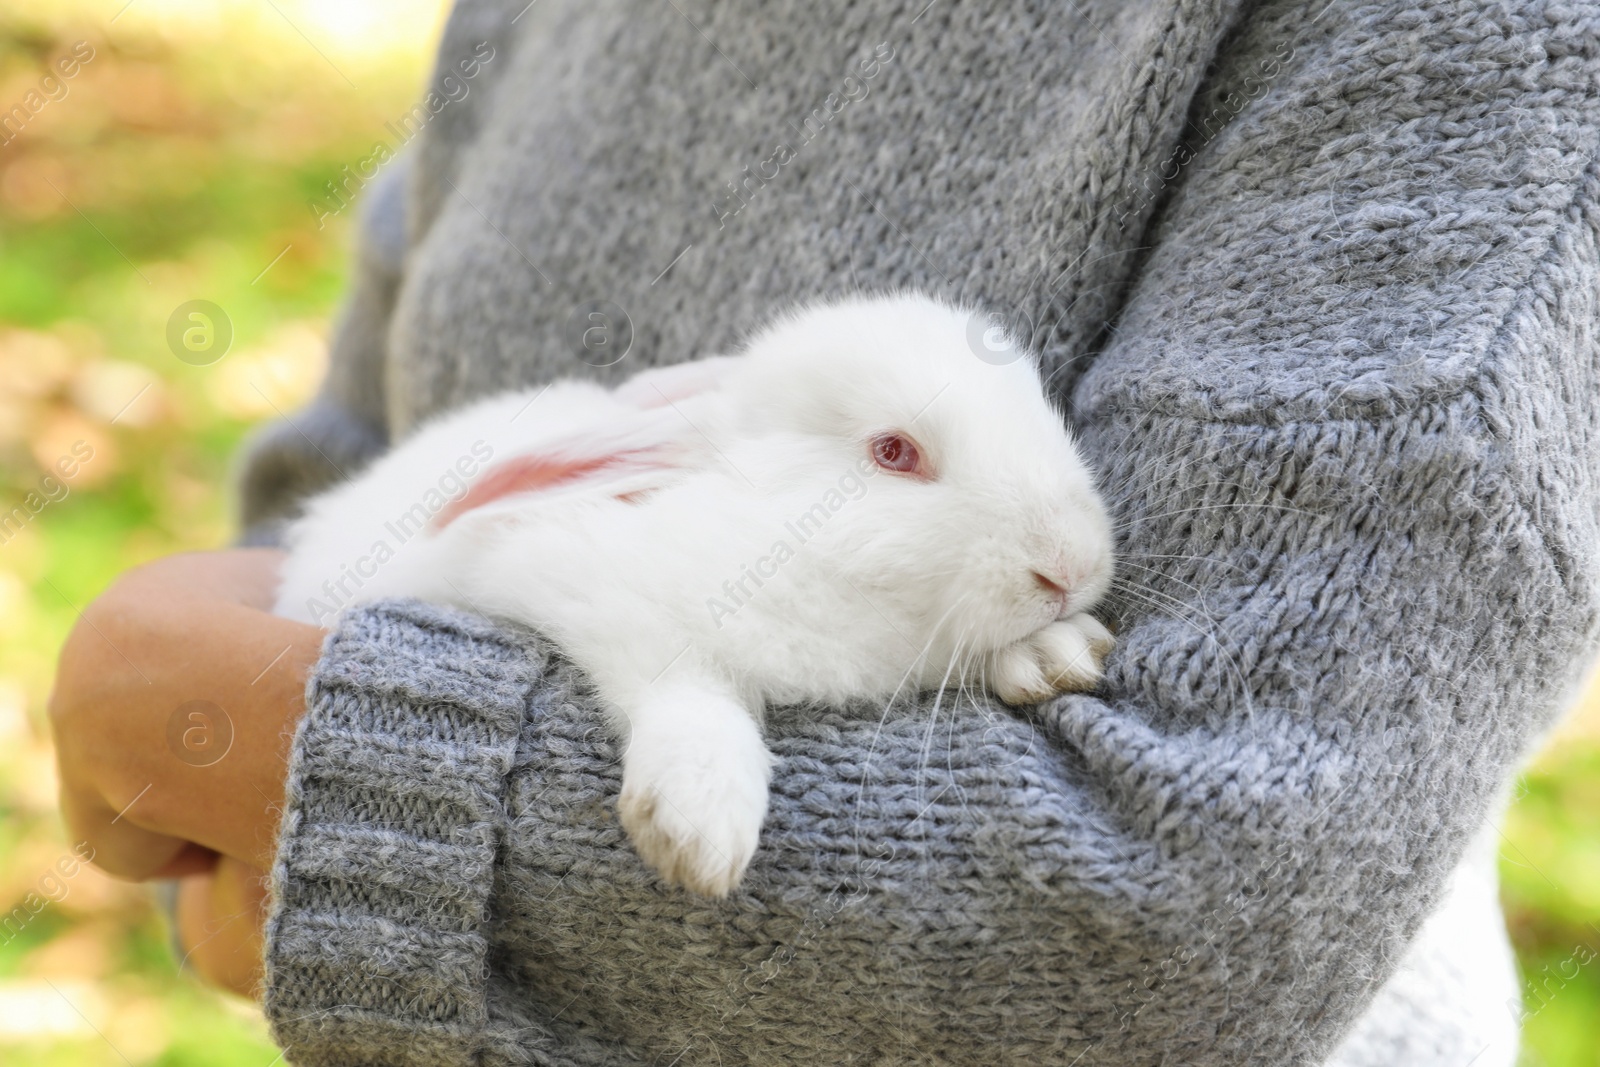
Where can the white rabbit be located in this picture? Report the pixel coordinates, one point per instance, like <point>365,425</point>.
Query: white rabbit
<point>854,506</point>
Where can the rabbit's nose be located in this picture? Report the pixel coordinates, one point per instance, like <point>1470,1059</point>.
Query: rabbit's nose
<point>1056,587</point>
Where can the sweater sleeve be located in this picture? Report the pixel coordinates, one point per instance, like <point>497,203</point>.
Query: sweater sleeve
<point>394,816</point>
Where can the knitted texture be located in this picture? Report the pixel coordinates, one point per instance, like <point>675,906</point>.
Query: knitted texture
<point>1451,1004</point>
<point>1320,286</point>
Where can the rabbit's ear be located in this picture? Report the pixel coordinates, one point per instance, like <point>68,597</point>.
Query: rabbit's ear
<point>661,386</point>
<point>629,473</point>
<point>637,452</point>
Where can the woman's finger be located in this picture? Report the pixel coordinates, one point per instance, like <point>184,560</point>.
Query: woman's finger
<point>220,917</point>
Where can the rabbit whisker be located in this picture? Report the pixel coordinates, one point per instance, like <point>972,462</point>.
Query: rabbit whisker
<point>1149,597</point>
<point>1210,507</point>
<point>1170,555</point>
<point>883,718</point>
<point>1160,574</point>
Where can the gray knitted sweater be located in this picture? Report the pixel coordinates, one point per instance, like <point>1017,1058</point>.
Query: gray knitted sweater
<point>1321,284</point>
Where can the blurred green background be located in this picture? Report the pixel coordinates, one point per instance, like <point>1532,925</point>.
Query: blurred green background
<point>179,165</point>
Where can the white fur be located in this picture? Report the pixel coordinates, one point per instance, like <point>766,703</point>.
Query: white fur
<point>890,582</point>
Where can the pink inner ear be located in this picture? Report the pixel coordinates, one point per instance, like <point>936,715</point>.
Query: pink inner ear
<point>526,474</point>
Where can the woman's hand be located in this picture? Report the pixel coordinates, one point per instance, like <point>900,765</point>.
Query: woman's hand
<point>176,698</point>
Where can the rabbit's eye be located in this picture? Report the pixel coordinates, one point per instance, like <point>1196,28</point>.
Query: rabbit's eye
<point>897,452</point>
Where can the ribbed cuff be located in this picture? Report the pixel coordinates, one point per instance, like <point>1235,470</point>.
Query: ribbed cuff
<point>394,812</point>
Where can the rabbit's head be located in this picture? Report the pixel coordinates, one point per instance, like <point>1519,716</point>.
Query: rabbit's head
<point>976,517</point>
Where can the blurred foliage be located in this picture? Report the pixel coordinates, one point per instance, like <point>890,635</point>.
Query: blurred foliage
<point>1550,887</point>
<point>178,164</point>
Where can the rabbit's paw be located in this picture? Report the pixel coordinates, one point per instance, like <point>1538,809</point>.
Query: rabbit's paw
<point>1063,657</point>
<point>693,804</point>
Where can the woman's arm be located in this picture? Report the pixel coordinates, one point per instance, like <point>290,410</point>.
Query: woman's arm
<point>1348,418</point>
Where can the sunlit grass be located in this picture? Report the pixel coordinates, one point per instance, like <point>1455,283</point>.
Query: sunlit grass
<point>180,165</point>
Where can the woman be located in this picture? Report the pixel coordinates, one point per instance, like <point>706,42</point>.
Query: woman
<point>1318,284</point>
